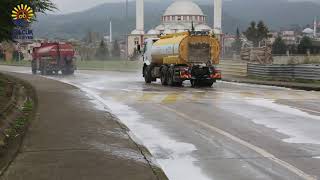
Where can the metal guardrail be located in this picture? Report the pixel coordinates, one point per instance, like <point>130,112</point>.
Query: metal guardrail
<point>308,72</point>
<point>233,68</point>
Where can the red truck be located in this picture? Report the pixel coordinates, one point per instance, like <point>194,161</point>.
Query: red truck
<point>51,58</point>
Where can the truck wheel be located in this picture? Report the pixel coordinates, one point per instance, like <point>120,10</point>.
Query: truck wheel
<point>209,83</point>
<point>164,77</point>
<point>147,75</point>
<point>170,77</point>
<point>194,82</point>
<point>44,70</point>
<point>71,71</point>
<point>34,67</point>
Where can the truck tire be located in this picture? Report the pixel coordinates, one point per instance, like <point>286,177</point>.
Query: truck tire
<point>164,77</point>
<point>209,83</point>
<point>71,71</point>
<point>170,77</point>
<point>194,83</point>
<point>147,75</point>
<point>44,68</point>
<point>179,84</point>
<point>68,71</point>
<point>34,67</point>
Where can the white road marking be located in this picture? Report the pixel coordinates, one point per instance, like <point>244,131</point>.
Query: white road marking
<point>258,150</point>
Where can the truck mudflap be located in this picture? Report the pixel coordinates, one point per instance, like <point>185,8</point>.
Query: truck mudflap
<point>216,75</point>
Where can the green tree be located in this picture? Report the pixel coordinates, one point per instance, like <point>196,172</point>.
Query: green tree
<point>262,31</point>
<point>256,33</point>
<point>116,49</point>
<point>102,52</point>
<point>6,6</point>
<point>237,44</point>
<point>279,46</point>
<point>305,45</point>
<point>252,34</point>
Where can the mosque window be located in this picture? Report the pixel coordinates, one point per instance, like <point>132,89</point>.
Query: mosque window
<point>173,18</point>
<point>179,18</point>
<point>136,41</point>
<point>184,18</point>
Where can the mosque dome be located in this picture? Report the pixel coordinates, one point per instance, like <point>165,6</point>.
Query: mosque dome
<point>160,27</point>
<point>153,31</point>
<point>308,31</point>
<point>183,7</point>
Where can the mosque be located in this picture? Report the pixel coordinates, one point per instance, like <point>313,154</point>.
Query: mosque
<point>178,17</point>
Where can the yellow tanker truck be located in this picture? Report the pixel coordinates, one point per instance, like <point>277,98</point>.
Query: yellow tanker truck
<point>183,56</point>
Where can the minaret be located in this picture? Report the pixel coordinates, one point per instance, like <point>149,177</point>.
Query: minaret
<point>315,27</point>
<point>139,18</point>
<point>110,30</point>
<point>217,16</point>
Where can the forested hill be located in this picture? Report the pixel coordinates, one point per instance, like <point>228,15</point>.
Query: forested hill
<point>276,13</point>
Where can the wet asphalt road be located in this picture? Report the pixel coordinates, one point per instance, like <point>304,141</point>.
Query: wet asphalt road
<point>231,131</point>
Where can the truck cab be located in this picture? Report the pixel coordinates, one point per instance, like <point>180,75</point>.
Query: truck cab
<point>147,50</point>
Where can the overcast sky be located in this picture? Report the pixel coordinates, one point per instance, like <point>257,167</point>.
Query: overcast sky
<point>68,6</point>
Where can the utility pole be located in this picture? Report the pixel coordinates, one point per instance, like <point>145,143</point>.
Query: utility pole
<point>110,31</point>
<point>127,31</point>
<point>315,27</point>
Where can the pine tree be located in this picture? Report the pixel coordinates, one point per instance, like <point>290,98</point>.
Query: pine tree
<point>262,31</point>
<point>102,52</point>
<point>279,46</point>
<point>237,44</point>
<point>251,33</point>
<point>305,45</point>
<point>116,49</point>
<point>256,33</point>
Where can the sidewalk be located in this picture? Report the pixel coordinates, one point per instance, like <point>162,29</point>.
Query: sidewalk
<point>71,139</point>
<point>294,85</point>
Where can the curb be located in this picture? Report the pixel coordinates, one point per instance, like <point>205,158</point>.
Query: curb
<point>158,172</point>
<point>301,86</point>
